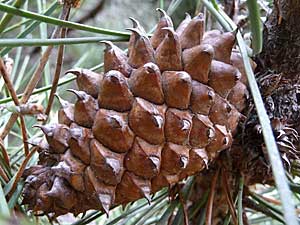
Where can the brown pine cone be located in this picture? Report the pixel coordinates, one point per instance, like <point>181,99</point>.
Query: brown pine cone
<point>160,113</point>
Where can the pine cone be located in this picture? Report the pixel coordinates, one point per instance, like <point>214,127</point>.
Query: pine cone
<point>157,115</point>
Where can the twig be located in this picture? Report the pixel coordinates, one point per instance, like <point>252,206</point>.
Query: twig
<point>260,208</point>
<point>229,199</point>
<point>21,170</point>
<point>271,200</point>
<point>262,201</point>
<point>184,208</point>
<point>3,175</point>
<point>24,134</point>
<point>4,153</point>
<point>8,83</point>
<point>13,94</point>
<point>59,61</point>
<point>13,118</point>
<point>209,208</point>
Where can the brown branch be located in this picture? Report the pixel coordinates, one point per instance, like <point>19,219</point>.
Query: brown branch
<point>229,199</point>
<point>24,134</point>
<point>14,96</point>
<point>271,200</point>
<point>184,207</point>
<point>4,153</point>
<point>8,83</point>
<point>3,175</point>
<point>249,203</point>
<point>210,202</point>
<point>59,62</point>
<point>13,118</point>
<point>275,202</point>
<point>21,170</point>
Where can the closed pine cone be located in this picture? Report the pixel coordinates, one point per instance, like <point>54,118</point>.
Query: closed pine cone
<point>157,115</point>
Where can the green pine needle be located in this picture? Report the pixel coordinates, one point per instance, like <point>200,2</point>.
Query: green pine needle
<point>54,21</point>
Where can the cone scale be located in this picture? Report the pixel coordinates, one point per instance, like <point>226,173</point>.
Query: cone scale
<point>159,114</point>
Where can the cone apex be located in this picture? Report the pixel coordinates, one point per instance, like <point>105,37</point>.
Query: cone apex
<point>135,31</point>
<point>61,101</point>
<point>150,67</point>
<point>80,94</point>
<point>134,22</point>
<point>162,12</point>
<point>75,71</point>
<point>137,25</point>
<point>108,44</point>
<point>199,16</point>
<point>187,16</point>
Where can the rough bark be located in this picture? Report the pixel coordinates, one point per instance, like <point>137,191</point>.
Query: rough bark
<point>281,37</point>
<point>281,51</point>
